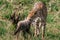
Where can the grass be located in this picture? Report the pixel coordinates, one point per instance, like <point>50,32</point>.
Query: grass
<point>23,7</point>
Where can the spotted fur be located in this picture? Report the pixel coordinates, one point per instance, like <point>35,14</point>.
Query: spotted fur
<point>39,12</point>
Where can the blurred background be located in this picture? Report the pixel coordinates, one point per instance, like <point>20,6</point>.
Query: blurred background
<point>22,7</point>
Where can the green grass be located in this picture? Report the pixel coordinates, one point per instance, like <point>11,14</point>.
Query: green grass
<point>50,18</point>
<point>7,28</point>
<point>2,28</point>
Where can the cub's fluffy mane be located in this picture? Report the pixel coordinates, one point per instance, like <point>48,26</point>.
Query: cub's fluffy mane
<point>37,6</point>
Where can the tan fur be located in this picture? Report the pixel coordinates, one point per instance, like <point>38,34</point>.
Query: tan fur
<point>37,6</point>
<point>39,10</point>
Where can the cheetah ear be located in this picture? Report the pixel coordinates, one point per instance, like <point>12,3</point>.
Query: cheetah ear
<point>12,16</point>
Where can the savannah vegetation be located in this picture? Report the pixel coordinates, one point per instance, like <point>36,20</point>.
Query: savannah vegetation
<point>22,7</point>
